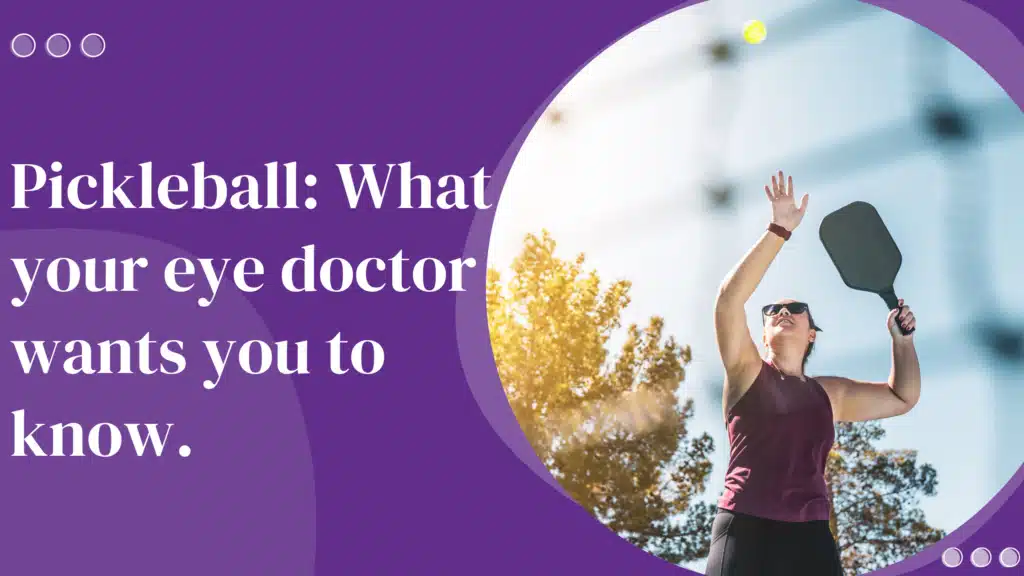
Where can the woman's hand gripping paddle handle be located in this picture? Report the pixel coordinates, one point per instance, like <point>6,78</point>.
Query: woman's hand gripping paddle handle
<point>894,304</point>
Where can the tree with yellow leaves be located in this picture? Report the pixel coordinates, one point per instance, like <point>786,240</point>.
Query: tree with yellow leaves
<point>609,428</point>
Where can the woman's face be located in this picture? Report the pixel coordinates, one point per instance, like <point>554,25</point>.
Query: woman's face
<point>787,327</point>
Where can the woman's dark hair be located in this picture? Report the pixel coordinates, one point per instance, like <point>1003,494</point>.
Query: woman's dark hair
<point>810,345</point>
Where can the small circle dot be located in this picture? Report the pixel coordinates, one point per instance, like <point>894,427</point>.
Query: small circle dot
<point>93,45</point>
<point>15,302</point>
<point>56,166</point>
<point>1009,557</point>
<point>310,180</point>
<point>58,45</point>
<point>981,557</point>
<point>952,557</point>
<point>23,45</point>
<point>310,203</point>
<point>185,451</point>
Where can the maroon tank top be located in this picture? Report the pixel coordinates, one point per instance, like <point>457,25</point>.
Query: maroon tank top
<point>780,435</point>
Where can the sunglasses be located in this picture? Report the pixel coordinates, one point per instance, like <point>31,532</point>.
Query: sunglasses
<point>792,307</point>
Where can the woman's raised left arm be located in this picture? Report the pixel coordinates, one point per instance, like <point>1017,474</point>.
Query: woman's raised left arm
<point>857,400</point>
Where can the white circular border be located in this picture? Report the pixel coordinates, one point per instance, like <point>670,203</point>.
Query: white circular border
<point>81,45</point>
<point>1006,552</point>
<point>30,37</point>
<point>959,557</point>
<point>981,557</point>
<point>46,45</point>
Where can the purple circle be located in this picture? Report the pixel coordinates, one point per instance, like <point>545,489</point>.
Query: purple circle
<point>952,557</point>
<point>23,45</point>
<point>93,45</point>
<point>58,45</point>
<point>1009,557</point>
<point>981,557</point>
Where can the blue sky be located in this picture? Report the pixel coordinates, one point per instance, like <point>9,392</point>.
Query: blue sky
<point>834,96</point>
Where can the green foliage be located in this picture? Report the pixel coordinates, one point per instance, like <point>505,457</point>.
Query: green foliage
<point>875,497</point>
<point>610,429</point>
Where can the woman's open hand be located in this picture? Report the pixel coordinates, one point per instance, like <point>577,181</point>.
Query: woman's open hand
<point>785,212</point>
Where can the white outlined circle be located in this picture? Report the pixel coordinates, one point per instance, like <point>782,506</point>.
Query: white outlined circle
<point>23,35</point>
<point>952,557</point>
<point>1009,557</point>
<point>67,45</point>
<point>91,36</point>
<point>981,557</point>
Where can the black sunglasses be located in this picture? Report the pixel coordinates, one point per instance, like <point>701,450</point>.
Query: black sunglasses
<point>793,307</point>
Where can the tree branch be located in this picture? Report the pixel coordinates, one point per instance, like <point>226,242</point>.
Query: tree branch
<point>884,496</point>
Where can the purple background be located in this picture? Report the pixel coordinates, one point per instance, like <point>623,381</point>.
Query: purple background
<point>400,473</point>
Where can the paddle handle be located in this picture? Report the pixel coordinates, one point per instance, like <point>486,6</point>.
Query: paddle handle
<point>894,304</point>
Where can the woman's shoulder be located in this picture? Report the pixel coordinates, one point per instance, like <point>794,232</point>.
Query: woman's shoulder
<point>830,381</point>
<point>833,386</point>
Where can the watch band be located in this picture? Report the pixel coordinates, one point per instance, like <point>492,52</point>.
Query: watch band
<point>779,231</point>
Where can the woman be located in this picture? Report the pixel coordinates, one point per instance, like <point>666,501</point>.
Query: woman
<point>773,515</point>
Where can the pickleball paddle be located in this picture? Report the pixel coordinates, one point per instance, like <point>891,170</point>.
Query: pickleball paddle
<point>863,251</point>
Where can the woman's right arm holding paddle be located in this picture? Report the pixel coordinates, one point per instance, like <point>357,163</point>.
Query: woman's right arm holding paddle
<point>735,345</point>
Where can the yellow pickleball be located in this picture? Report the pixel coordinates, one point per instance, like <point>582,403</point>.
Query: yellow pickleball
<point>754,31</point>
